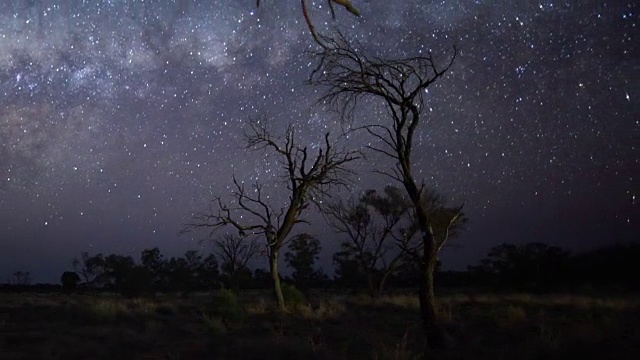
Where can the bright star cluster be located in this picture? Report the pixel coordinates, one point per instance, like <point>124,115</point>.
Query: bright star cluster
<point>119,118</point>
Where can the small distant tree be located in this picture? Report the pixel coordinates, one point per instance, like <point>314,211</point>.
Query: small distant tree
<point>348,271</point>
<point>21,278</point>
<point>380,232</point>
<point>208,276</point>
<point>69,280</point>
<point>178,274</point>
<point>373,225</point>
<point>234,253</point>
<point>152,260</point>
<point>301,257</point>
<point>194,266</point>
<point>89,268</point>
<point>137,281</point>
<point>191,272</point>
<point>120,273</point>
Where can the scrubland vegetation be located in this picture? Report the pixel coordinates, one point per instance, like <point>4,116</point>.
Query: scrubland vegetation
<point>529,301</point>
<point>248,325</point>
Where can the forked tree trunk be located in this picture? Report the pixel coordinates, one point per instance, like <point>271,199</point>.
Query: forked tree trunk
<point>275,275</point>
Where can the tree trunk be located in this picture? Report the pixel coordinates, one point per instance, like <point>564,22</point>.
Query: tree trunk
<point>382,282</point>
<point>275,275</point>
<point>426,295</point>
<point>434,334</point>
<point>372,288</point>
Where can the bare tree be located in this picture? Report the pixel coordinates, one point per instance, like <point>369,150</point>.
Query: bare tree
<point>349,75</point>
<point>381,230</point>
<point>252,212</point>
<point>234,253</point>
<point>22,278</point>
<point>372,224</point>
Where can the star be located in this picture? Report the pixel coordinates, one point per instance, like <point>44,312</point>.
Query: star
<point>120,119</point>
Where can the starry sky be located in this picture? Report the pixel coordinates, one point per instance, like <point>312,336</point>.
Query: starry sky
<point>120,118</point>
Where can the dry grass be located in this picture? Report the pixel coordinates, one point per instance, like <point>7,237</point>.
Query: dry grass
<point>495,326</point>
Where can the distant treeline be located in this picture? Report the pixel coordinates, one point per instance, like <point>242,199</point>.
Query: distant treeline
<point>532,267</point>
<point>541,267</point>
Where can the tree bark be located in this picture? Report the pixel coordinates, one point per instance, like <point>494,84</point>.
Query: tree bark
<point>275,275</point>
<point>434,334</point>
<point>426,294</point>
<point>382,282</point>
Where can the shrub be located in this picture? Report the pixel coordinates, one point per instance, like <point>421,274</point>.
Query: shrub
<point>225,308</point>
<point>107,309</point>
<point>293,297</point>
<point>214,324</point>
<point>69,280</point>
<point>514,314</point>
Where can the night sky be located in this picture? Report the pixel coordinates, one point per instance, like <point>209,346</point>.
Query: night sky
<point>119,118</point>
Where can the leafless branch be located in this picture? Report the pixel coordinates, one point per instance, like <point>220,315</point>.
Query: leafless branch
<point>349,75</point>
<point>235,252</point>
<point>308,174</point>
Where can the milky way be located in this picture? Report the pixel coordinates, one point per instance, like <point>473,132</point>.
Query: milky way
<point>120,118</point>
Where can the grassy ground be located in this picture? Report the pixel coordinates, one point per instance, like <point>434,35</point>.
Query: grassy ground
<point>480,326</point>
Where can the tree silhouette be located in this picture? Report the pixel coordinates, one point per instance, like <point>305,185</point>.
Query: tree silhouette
<point>151,259</point>
<point>301,257</point>
<point>531,266</point>
<point>69,280</point>
<point>348,272</point>
<point>208,275</point>
<point>349,75</point>
<point>252,212</point>
<point>21,278</point>
<point>609,267</point>
<point>234,253</point>
<point>381,229</point>
<point>88,267</point>
<point>372,225</point>
<point>123,275</point>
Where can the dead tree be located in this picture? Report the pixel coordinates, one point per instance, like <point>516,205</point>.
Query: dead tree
<point>308,174</point>
<point>350,75</point>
